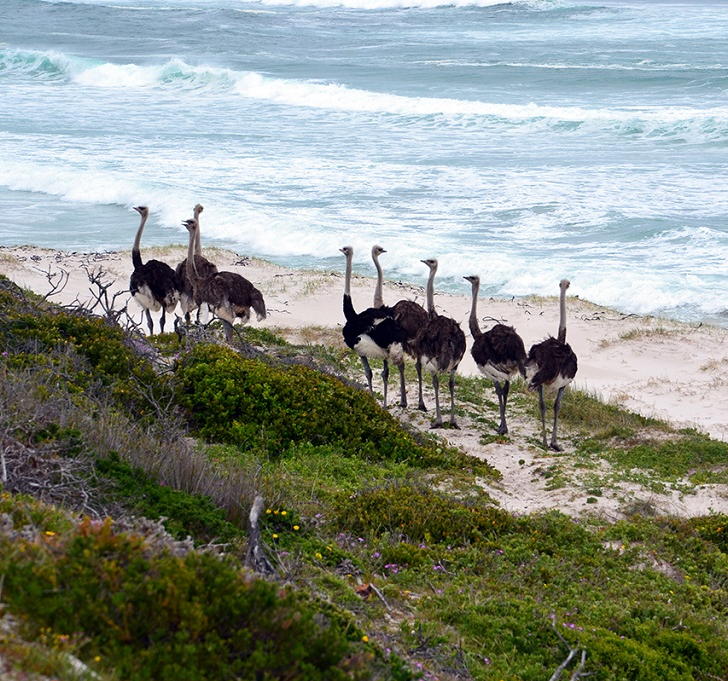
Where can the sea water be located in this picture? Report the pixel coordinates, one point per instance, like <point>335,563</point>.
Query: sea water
<point>524,141</point>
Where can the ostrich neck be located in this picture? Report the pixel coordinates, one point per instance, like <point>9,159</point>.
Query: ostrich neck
<point>474,328</point>
<point>431,291</point>
<point>138,237</point>
<point>347,277</point>
<point>562,316</point>
<point>191,267</point>
<point>378,292</point>
<point>198,242</point>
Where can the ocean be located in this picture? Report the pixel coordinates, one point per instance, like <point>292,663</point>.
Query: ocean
<point>524,141</point>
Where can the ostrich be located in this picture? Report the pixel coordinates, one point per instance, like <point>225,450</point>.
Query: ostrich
<point>411,317</point>
<point>204,267</point>
<point>499,353</point>
<point>440,345</point>
<point>372,334</point>
<point>552,364</point>
<point>227,294</point>
<point>151,283</point>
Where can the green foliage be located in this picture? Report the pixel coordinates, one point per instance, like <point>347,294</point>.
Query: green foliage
<point>157,616</point>
<point>185,514</point>
<point>41,334</point>
<point>418,513</point>
<point>676,457</point>
<point>254,405</point>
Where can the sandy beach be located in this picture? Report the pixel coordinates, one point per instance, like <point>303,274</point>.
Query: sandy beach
<point>655,367</point>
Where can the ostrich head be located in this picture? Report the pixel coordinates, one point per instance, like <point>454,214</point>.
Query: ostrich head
<point>190,224</point>
<point>564,284</point>
<point>431,263</point>
<point>473,279</point>
<point>348,251</point>
<point>377,251</point>
<point>142,210</point>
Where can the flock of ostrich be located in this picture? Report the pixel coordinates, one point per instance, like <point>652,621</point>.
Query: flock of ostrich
<point>433,341</point>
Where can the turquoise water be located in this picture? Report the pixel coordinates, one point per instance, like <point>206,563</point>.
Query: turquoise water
<point>524,142</point>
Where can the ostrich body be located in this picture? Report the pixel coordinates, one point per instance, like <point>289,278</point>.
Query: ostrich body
<point>552,364</point>
<point>229,295</point>
<point>440,345</point>
<point>371,334</point>
<point>411,318</point>
<point>204,267</point>
<point>499,354</point>
<point>151,283</point>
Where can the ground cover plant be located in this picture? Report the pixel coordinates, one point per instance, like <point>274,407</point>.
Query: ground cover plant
<point>389,560</point>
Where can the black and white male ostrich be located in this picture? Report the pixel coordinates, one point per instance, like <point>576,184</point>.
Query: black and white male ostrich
<point>411,317</point>
<point>552,364</point>
<point>371,334</point>
<point>151,283</point>
<point>499,354</point>
<point>229,295</point>
<point>440,345</point>
<point>204,267</point>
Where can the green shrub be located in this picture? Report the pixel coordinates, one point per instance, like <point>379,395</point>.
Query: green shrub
<point>254,405</point>
<point>185,514</point>
<point>420,514</point>
<point>157,616</point>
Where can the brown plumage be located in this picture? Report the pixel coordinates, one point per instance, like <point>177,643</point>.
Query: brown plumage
<point>411,318</point>
<point>151,283</point>
<point>204,267</point>
<point>229,295</point>
<point>499,354</point>
<point>552,364</point>
<point>440,345</point>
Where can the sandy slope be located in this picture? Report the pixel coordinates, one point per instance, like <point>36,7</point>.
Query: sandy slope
<point>656,367</point>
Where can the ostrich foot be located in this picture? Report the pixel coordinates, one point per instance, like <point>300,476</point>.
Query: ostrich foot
<point>435,424</point>
<point>557,447</point>
<point>502,429</point>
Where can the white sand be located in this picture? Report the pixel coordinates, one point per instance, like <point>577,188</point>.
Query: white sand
<point>656,367</point>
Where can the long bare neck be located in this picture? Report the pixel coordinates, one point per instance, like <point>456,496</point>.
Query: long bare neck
<point>378,291</point>
<point>349,311</point>
<point>198,242</point>
<point>431,291</point>
<point>347,275</point>
<point>136,256</point>
<point>562,315</point>
<point>474,327</point>
<point>191,268</point>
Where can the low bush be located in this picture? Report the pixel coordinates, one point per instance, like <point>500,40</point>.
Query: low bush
<point>252,404</point>
<point>153,615</point>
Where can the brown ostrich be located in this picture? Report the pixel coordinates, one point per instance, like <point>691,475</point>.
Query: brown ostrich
<point>440,345</point>
<point>552,364</point>
<point>229,295</point>
<point>499,354</point>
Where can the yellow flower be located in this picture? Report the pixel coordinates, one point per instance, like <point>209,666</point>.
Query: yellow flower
<point>295,527</point>
<point>365,639</point>
<point>283,513</point>
<point>275,536</point>
<point>50,534</point>
<point>319,556</point>
<point>269,511</point>
<point>97,659</point>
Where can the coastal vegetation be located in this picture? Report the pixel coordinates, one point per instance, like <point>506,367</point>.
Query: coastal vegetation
<point>130,467</point>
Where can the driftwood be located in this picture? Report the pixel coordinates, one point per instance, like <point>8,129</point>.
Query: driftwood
<point>256,559</point>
